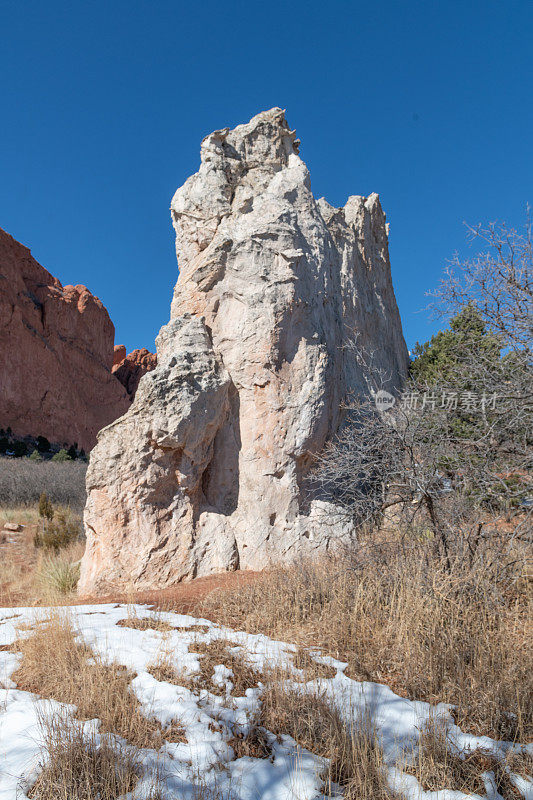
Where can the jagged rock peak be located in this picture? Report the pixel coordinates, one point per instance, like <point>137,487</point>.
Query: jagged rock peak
<point>207,471</point>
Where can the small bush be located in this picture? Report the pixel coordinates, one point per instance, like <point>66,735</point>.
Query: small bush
<point>46,509</point>
<point>58,533</point>
<point>35,456</point>
<point>62,455</point>
<point>20,449</point>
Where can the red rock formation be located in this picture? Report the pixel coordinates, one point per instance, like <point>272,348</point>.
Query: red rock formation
<point>129,369</point>
<point>119,355</point>
<point>56,354</point>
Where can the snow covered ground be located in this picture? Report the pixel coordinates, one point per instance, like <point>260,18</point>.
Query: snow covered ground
<point>210,721</point>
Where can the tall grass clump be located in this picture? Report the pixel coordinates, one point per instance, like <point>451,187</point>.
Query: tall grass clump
<point>355,756</point>
<point>439,766</point>
<point>81,766</point>
<point>58,575</point>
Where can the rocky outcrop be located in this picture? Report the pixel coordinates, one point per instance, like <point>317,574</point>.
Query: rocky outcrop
<point>56,354</point>
<point>206,472</point>
<point>119,354</point>
<point>129,369</point>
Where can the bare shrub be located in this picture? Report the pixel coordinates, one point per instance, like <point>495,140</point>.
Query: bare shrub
<point>498,282</point>
<point>22,482</point>
<point>56,665</point>
<point>457,474</point>
<point>458,450</point>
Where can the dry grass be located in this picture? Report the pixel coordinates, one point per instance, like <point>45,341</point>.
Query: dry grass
<point>398,617</point>
<point>311,668</point>
<point>29,576</point>
<point>151,623</point>
<point>438,766</point>
<point>355,757</point>
<point>253,744</point>
<point>16,512</point>
<point>57,575</point>
<point>211,654</point>
<point>35,578</point>
<point>78,767</point>
<point>221,651</point>
<point>164,669</point>
<point>56,665</point>
<point>199,628</point>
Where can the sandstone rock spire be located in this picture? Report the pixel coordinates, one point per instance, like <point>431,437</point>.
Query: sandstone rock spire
<point>206,470</point>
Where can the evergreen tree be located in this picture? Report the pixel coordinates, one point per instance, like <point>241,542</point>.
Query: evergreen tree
<point>43,445</point>
<point>447,357</point>
<point>62,455</point>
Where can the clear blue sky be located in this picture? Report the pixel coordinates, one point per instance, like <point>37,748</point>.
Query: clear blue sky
<point>103,106</point>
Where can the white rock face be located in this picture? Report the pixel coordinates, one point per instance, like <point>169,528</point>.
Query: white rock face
<point>206,471</point>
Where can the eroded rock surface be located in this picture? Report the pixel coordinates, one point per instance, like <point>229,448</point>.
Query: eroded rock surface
<point>206,471</point>
<point>56,354</point>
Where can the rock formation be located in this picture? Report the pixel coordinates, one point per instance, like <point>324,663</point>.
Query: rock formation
<point>119,354</point>
<point>129,369</point>
<point>56,353</point>
<point>206,470</point>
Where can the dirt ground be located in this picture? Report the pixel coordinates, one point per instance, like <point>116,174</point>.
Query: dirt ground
<point>19,561</point>
<point>184,597</point>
